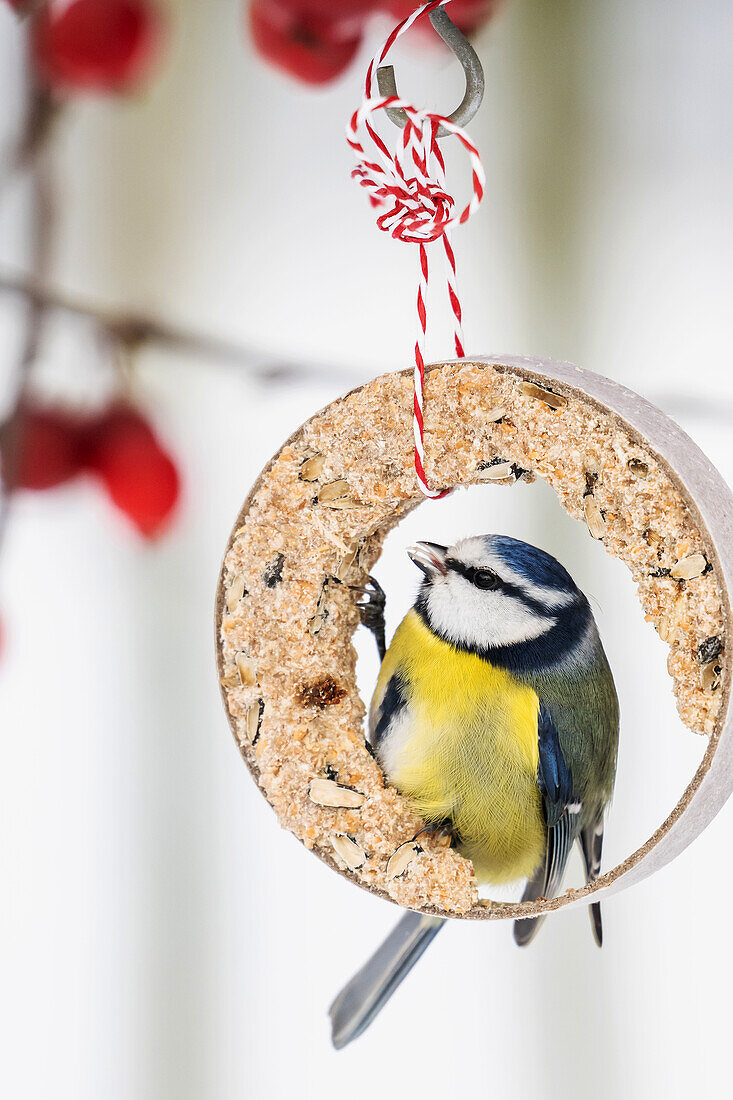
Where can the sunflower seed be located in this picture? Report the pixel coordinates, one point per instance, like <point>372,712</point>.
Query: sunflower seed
<point>694,565</point>
<point>637,468</point>
<point>320,615</point>
<point>401,858</point>
<point>349,851</point>
<point>652,537</point>
<point>312,468</point>
<point>335,490</point>
<point>594,517</point>
<point>325,792</point>
<point>554,400</point>
<point>316,622</point>
<point>235,591</point>
<point>247,670</point>
<point>492,415</point>
<point>709,649</point>
<point>345,503</point>
<point>710,676</point>
<point>346,562</point>
<point>253,721</point>
<point>499,471</point>
<point>664,628</point>
<point>529,476</point>
<point>272,574</point>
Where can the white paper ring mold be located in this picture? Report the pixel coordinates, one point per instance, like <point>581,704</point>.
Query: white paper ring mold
<point>312,528</point>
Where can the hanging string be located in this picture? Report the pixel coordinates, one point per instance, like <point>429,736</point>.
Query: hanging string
<point>410,182</point>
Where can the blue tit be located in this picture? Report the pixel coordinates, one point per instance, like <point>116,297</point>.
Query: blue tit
<point>496,714</point>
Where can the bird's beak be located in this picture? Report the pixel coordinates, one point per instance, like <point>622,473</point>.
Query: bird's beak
<point>429,557</point>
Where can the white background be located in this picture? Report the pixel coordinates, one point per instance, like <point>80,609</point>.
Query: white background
<point>160,936</point>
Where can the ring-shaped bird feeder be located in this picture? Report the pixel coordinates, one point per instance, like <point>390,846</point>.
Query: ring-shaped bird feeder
<point>312,529</point>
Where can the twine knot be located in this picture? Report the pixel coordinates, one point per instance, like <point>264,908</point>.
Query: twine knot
<point>421,210</point>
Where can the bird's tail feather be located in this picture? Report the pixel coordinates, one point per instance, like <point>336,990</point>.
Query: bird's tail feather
<point>596,922</point>
<point>526,929</point>
<point>591,843</point>
<point>369,990</point>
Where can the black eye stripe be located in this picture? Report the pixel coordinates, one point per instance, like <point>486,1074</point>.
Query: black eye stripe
<point>470,571</point>
<point>473,572</point>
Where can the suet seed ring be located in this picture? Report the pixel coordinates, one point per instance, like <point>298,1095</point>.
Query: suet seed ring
<point>312,528</point>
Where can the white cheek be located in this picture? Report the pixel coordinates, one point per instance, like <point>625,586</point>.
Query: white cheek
<point>466,615</point>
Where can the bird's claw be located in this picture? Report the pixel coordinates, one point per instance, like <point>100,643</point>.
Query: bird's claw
<point>371,606</point>
<point>372,601</point>
<point>441,834</point>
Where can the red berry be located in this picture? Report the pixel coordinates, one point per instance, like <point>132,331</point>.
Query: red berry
<point>41,448</point>
<point>137,472</point>
<point>98,45</point>
<point>305,43</point>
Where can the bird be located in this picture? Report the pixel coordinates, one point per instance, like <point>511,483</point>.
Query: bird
<point>495,713</point>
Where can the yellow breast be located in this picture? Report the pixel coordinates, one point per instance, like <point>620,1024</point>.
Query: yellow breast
<point>465,748</point>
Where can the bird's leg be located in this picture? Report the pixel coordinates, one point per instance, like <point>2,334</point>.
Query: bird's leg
<point>441,831</point>
<point>371,609</point>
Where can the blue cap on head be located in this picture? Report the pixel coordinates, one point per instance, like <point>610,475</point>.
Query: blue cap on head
<point>532,563</point>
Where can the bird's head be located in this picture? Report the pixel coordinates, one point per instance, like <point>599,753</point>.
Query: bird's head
<point>493,591</point>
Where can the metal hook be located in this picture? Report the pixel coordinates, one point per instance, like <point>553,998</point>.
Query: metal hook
<point>457,42</point>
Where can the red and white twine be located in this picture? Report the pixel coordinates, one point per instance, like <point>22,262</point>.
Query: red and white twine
<point>411,183</point>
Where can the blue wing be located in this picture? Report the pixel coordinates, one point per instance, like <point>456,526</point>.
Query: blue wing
<point>562,808</point>
<point>562,812</point>
<point>554,777</point>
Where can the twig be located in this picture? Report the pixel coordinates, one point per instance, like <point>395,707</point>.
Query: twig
<point>29,7</point>
<point>42,216</point>
<point>43,109</point>
<point>132,330</point>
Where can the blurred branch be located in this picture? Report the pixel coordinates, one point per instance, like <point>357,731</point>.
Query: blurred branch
<point>42,110</point>
<point>29,7</point>
<point>132,330</point>
<point>41,228</point>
